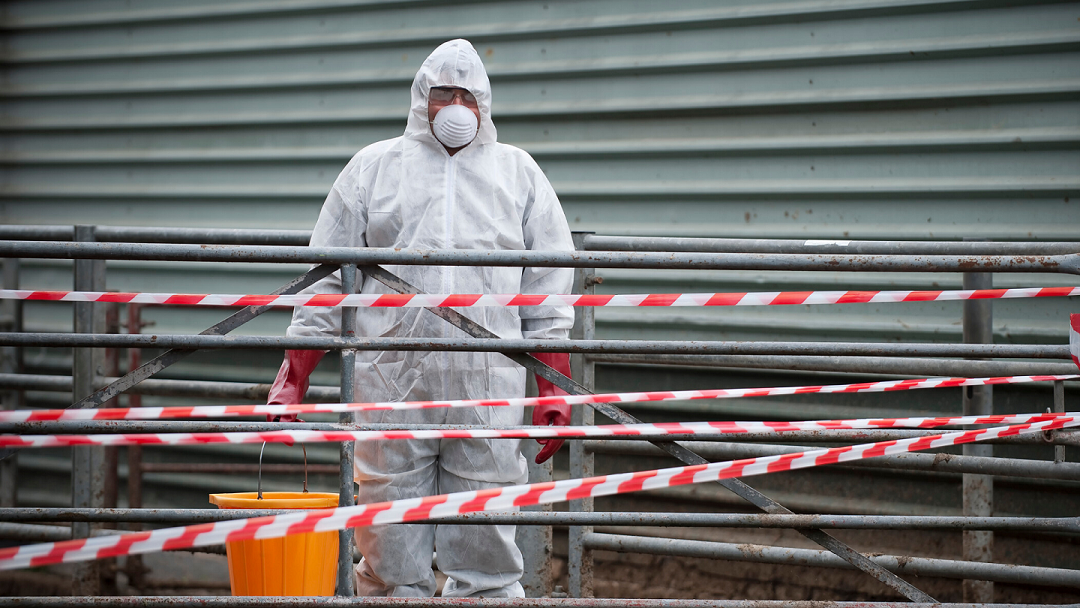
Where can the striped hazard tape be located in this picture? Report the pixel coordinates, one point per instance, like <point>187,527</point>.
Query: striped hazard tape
<point>662,429</point>
<point>1074,338</point>
<point>765,298</point>
<point>495,499</point>
<point>222,411</point>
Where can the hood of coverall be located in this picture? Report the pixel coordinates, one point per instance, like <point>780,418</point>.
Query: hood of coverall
<point>452,64</point>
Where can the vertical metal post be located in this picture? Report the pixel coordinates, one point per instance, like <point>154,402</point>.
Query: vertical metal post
<point>111,368</point>
<point>134,566</point>
<point>1059,407</point>
<point>87,463</point>
<point>535,542</point>
<point>111,492</point>
<point>978,490</point>
<point>10,362</point>
<point>581,461</point>
<point>348,370</point>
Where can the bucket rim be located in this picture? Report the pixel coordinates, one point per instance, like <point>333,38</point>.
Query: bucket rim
<point>275,500</point>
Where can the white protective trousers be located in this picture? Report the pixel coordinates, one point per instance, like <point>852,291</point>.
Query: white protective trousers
<point>408,192</point>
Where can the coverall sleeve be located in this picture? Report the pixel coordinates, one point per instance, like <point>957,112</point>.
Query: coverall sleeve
<point>340,224</point>
<point>545,228</point>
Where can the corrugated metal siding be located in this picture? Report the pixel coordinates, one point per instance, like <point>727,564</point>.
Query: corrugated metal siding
<point>780,119</point>
<point>860,119</point>
<point>882,119</point>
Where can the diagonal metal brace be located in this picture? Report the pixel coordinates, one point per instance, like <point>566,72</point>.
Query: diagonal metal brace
<point>230,323</point>
<point>170,357</point>
<point>677,450</point>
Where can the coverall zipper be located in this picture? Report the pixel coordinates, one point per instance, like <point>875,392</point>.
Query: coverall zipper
<point>448,240</point>
<point>448,219</point>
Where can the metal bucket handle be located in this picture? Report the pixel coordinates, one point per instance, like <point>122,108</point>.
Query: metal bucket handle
<point>263,449</point>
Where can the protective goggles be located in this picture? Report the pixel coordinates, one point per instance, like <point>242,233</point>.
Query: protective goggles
<point>447,95</point>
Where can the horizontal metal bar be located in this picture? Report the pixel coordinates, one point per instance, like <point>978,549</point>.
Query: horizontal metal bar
<point>566,518</point>
<point>213,426</point>
<point>191,342</point>
<point>235,236</point>
<point>436,602</point>
<point>209,236</point>
<point>1060,437</point>
<point>66,427</point>
<point>62,427</point>
<point>331,394</point>
<point>765,520</point>
<point>918,566</point>
<point>32,533</point>
<point>943,463</point>
<point>595,242</point>
<point>1069,263</point>
<point>160,234</point>
<point>166,388</point>
<point>145,516</point>
<point>893,366</point>
<point>237,468</point>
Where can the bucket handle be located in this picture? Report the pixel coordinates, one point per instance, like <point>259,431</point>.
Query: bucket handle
<point>263,449</point>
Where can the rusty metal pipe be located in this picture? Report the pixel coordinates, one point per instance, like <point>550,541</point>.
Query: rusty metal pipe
<point>1061,525</point>
<point>202,341</point>
<point>1063,263</point>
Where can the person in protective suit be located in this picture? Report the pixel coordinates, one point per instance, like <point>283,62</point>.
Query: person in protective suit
<point>447,183</point>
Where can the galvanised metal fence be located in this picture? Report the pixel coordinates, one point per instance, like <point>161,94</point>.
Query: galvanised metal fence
<point>93,471</point>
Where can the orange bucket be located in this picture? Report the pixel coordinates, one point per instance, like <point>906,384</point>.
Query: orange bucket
<point>301,564</point>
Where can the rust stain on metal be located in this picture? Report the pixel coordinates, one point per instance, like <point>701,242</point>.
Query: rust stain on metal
<point>750,550</point>
<point>941,458</point>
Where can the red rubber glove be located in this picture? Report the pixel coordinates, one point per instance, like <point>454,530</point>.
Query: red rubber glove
<point>292,381</point>
<point>551,414</point>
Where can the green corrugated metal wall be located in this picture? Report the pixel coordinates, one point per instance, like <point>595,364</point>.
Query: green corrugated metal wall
<point>883,119</point>
<point>821,119</point>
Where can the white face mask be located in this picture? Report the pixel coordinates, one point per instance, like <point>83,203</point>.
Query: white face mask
<point>454,126</point>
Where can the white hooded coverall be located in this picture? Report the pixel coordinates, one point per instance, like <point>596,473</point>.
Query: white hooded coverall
<point>408,192</point>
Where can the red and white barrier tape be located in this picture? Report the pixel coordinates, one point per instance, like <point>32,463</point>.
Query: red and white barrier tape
<point>222,411</point>
<point>494,499</point>
<point>1074,338</point>
<point>662,429</point>
<point>764,298</point>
